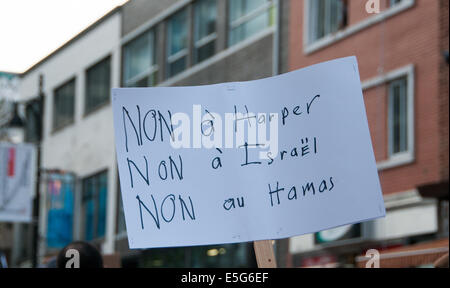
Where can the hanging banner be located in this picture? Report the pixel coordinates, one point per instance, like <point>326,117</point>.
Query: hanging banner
<point>17,181</point>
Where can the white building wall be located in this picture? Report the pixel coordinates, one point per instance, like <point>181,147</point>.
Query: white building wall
<point>86,146</point>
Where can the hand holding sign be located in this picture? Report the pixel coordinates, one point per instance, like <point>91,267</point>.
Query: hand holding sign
<point>246,161</point>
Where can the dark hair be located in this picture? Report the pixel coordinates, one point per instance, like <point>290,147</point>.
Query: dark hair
<point>89,256</point>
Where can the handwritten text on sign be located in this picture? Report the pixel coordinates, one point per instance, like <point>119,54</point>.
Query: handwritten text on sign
<point>246,161</point>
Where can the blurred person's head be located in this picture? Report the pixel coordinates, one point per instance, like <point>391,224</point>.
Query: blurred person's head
<point>88,256</point>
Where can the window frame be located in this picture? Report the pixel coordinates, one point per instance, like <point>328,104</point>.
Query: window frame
<point>231,25</point>
<point>150,71</point>
<point>82,233</point>
<point>313,46</point>
<point>70,179</point>
<point>407,72</point>
<point>107,100</point>
<point>402,84</point>
<point>206,39</point>
<point>313,27</point>
<point>392,3</point>
<point>119,233</point>
<point>61,126</point>
<point>183,53</point>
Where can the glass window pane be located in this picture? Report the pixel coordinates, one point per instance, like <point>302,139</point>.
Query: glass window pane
<point>121,227</point>
<point>94,203</point>
<point>394,2</point>
<point>251,5</point>
<point>177,32</point>
<point>239,8</point>
<point>60,198</point>
<point>63,106</point>
<point>98,79</point>
<point>205,12</point>
<point>398,117</point>
<point>205,18</point>
<point>177,66</point>
<point>256,24</point>
<point>139,56</point>
<point>141,83</point>
<point>326,17</point>
<point>243,26</point>
<point>236,9</point>
<point>88,208</point>
<point>236,35</point>
<point>177,42</point>
<point>102,193</point>
<point>205,51</point>
<point>218,256</point>
<point>396,109</point>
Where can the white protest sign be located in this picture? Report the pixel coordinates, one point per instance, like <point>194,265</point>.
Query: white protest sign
<point>245,161</point>
<point>17,181</point>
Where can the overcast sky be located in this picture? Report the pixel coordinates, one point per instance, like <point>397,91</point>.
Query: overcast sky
<point>32,29</point>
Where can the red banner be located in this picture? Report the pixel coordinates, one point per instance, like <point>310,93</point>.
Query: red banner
<point>11,161</point>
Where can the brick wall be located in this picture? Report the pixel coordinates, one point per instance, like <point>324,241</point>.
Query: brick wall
<point>443,86</point>
<point>357,10</point>
<point>410,37</point>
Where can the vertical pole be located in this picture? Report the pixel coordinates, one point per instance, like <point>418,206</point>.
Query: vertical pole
<point>35,246</point>
<point>276,39</point>
<point>265,257</point>
<point>35,222</point>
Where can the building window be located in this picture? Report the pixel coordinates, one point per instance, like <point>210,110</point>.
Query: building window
<point>248,17</point>
<point>177,43</point>
<point>94,206</point>
<point>64,105</point>
<point>398,117</point>
<point>326,17</point>
<point>139,61</point>
<point>33,125</point>
<point>98,84</point>
<point>121,227</point>
<point>394,2</point>
<point>205,12</point>
<point>60,207</point>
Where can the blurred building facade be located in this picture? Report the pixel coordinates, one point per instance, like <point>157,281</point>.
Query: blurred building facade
<point>142,43</point>
<point>404,72</point>
<point>9,86</point>
<point>78,174</point>
<point>186,42</point>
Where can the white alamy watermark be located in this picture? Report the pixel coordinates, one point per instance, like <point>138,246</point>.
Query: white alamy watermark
<point>74,258</point>
<point>374,258</point>
<point>373,6</point>
<point>206,129</point>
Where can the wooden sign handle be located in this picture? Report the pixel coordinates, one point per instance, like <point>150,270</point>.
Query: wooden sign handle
<point>265,257</point>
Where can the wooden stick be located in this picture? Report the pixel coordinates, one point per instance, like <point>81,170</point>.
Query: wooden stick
<point>265,256</point>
